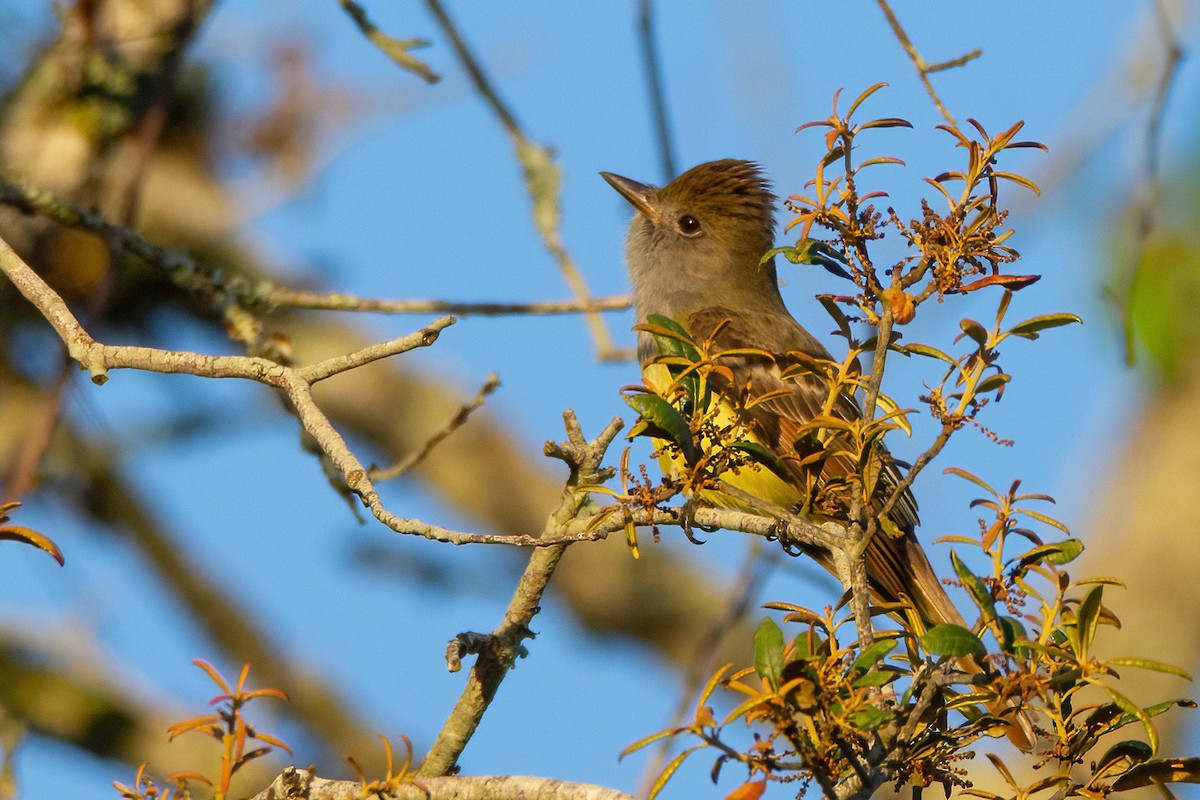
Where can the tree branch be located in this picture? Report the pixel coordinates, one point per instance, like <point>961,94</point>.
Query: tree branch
<point>542,179</point>
<point>924,68</point>
<point>303,784</point>
<point>585,462</point>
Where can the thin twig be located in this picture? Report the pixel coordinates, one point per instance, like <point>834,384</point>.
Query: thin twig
<point>585,460</point>
<point>654,82</point>
<point>454,423</point>
<point>1147,196</point>
<point>264,295</point>
<point>543,180</point>
<point>924,68</point>
<point>395,49</point>
<point>291,298</point>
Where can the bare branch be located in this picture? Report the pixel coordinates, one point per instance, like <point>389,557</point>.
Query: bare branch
<point>585,461</point>
<point>654,82</point>
<point>291,298</point>
<point>264,295</point>
<point>395,49</point>
<point>924,68</point>
<point>457,421</point>
<point>303,784</point>
<point>542,179</point>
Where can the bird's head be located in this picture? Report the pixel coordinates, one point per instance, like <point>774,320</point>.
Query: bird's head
<point>707,228</point>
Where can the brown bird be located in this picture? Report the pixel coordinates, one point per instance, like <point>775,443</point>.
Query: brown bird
<point>694,253</point>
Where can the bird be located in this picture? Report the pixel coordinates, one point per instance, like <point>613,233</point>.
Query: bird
<point>695,253</point>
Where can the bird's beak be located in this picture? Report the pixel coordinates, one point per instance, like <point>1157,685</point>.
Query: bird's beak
<point>644,198</point>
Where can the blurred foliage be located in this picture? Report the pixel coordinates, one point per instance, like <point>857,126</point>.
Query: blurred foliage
<point>1166,286</point>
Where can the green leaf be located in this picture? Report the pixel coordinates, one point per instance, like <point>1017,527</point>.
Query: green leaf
<point>977,588</point>
<point>761,454</point>
<point>948,639</point>
<point>1011,632</point>
<point>672,339</point>
<point>874,654</point>
<point>768,651</point>
<point>839,317</point>
<point>918,349</point>
<point>1132,712</point>
<point>1131,750</point>
<point>992,382</point>
<point>664,421</point>
<point>869,718</point>
<point>1030,327</point>
<point>1156,773</point>
<point>1087,619</point>
<point>975,330</point>
<point>1059,553</point>
<point>875,677</point>
<point>1150,664</point>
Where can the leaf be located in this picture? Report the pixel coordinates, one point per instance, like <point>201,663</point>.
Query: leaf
<point>962,473</point>
<point>669,770</point>
<point>1059,553</point>
<point>1087,619</point>
<point>1029,328</point>
<point>919,349</point>
<point>948,639</point>
<point>1150,664</point>
<point>1166,770</point>
<point>869,718</point>
<point>975,330</point>
<point>862,98</point>
<point>651,739</point>
<point>872,655</point>
<point>760,454</point>
<point>1010,282</point>
<point>1012,631</point>
<point>1131,750</point>
<point>979,591</point>
<point>664,421</point>
<point>671,338</point>
<point>17,533</point>
<point>768,651</point>
<point>1132,710</point>
<point>993,382</point>
<point>876,677</point>
<point>750,790</point>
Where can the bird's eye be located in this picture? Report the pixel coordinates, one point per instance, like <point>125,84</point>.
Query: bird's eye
<point>689,225</point>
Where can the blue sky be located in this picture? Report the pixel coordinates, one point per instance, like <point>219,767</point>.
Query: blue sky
<point>420,197</point>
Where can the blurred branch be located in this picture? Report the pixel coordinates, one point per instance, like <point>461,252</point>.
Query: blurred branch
<point>585,460</point>
<point>1146,198</point>
<point>542,178</point>
<point>654,81</point>
<point>291,298</point>
<point>204,281</point>
<point>924,68</point>
<point>395,49</point>
<point>455,422</point>
<point>303,784</point>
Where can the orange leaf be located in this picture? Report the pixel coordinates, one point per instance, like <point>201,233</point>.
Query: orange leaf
<point>751,790</point>
<point>1013,282</point>
<point>18,533</point>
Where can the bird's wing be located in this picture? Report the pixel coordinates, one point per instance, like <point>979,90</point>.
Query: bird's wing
<point>896,565</point>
